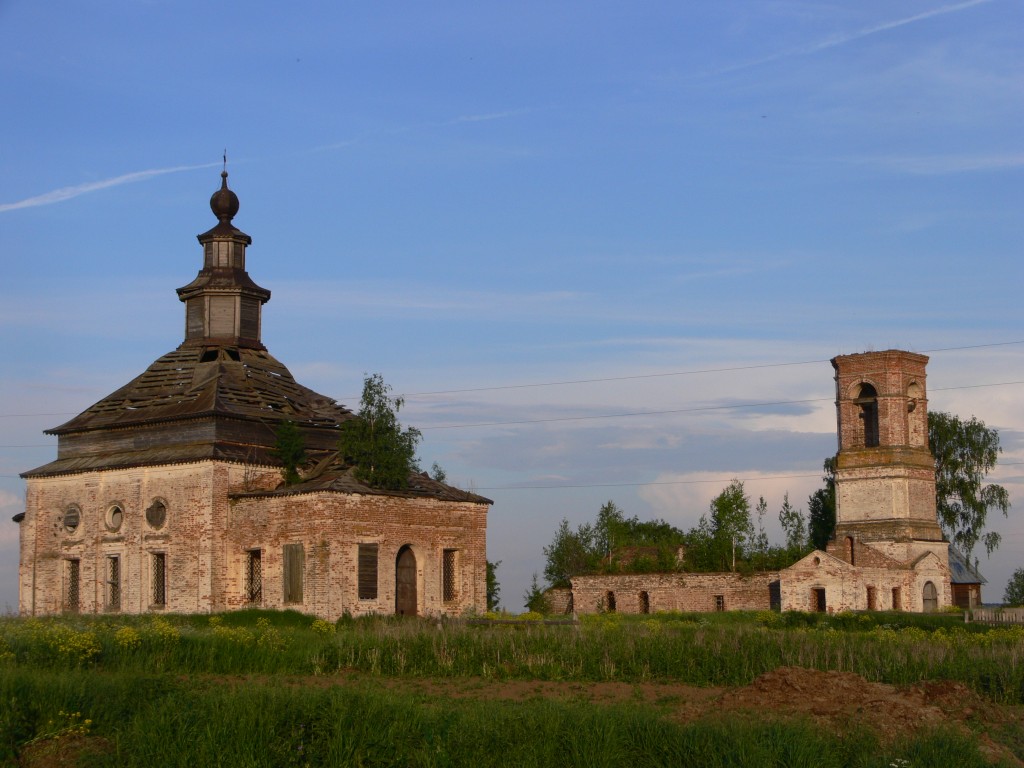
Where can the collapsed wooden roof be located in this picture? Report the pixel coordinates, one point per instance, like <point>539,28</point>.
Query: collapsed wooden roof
<point>196,403</point>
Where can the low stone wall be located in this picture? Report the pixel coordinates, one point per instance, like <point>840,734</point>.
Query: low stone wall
<point>651,592</point>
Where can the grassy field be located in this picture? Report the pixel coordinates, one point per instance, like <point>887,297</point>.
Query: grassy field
<point>282,689</point>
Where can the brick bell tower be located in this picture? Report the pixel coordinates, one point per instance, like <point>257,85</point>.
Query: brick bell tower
<point>885,472</point>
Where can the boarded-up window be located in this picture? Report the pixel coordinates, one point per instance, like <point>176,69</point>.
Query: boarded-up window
<point>159,565</point>
<point>250,327</point>
<point>113,583</point>
<point>449,582</point>
<point>222,316</point>
<point>294,559</point>
<point>194,321</point>
<point>73,596</point>
<point>367,571</point>
<point>254,576</point>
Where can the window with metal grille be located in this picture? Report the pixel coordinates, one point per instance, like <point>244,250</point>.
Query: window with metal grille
<point>449,584</point>
<point>113,583</point>
<point>719,602</point>
<point>159,566</point>
<point>73,598</point>
<point>367,571</point>
<point>294,557</point>
<point>254,576</point>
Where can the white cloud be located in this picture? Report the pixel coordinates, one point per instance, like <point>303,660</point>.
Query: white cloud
<point>843,38</point>
<point>67,193</point>
<point>933,165</point>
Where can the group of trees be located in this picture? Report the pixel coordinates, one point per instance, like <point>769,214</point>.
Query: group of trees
<point>726,538</point>
<point>599,546</point>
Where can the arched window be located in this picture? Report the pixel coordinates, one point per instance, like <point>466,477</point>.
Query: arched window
<point>849,549</point>
<point>867,399</point>
<point>72,518</point>
<point>930,597</point>
<point>156,514</point>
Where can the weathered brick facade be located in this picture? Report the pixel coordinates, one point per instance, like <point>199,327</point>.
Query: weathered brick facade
<point>165,495</point>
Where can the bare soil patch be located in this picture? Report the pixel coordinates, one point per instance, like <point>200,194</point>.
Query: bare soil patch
<point>62,751</point>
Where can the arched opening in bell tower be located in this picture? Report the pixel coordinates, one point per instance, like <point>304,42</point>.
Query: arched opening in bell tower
<point>867,400</point>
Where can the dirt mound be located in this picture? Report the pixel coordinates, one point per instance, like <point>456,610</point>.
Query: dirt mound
<point>842,700</point>
<point>837,698</point>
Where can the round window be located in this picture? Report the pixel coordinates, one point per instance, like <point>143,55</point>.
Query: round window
<point>115,516</point>
<point>156,514</point>
<point>72,519</point>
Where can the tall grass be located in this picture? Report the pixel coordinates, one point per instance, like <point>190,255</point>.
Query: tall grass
<point>687,649</point>
<point>163,721</point>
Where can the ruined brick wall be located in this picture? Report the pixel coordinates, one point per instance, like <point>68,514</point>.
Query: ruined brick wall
<point>851,549</point>
<point>674,592</point>
<point>331,526</point>
<point>559,600</point>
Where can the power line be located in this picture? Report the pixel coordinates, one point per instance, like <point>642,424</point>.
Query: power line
<point>692,372</point>
<point>630,414</point>
<point>716,480</point>
<point>682,410</point>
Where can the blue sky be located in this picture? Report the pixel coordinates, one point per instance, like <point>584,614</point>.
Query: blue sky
<point>677,206</point>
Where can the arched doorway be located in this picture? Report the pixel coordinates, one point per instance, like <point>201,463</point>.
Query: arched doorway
<point>931,597</point>
<point>405,582</point>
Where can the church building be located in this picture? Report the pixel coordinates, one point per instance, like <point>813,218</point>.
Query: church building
<point>166,494</point>
<point>888,551</point>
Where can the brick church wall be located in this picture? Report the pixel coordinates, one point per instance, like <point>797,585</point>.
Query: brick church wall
<point>206,535</point>
<point>331,526</point>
